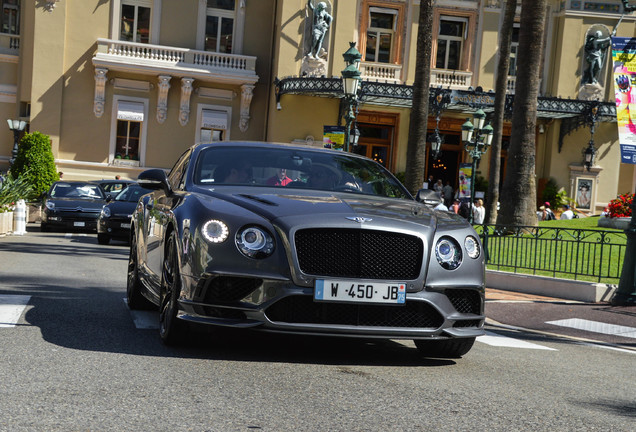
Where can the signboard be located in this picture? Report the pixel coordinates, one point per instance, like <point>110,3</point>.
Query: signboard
<point>624,67</point>
<point>333,137</point>
<point>465,173</point>
<point>472,99</point>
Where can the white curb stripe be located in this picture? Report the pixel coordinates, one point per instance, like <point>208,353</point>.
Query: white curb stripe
<point>11,308</point>
<point>596,327</point>
<point>494,339</point>
<point>144,320</point>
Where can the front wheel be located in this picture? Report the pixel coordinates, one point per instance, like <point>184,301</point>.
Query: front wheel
<point>444,348</point>
<point>103,239</point>
<point>171,329</point>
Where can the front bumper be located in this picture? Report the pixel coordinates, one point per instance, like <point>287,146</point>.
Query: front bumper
<point>71,222</point>
<point>117,227</point>
<point>280,306</point>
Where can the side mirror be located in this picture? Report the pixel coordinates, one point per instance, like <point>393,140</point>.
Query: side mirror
<point>109,198</point>
<point>155,179</point>
<point>428,197</point>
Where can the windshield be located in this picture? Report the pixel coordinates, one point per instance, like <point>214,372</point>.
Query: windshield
<point>295,168</point>
<point>132,193</point>
<point>77,191</point>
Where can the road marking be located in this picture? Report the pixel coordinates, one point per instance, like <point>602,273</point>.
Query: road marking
<point>70,235</point>
<point>497,340</point>
<point>596,327</point>
<point>144,320</point>
<point>11,308</point>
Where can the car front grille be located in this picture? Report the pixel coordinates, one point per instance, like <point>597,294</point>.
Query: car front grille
<point>303,310</point>
<point>465,300</point>
<point>359,253</point>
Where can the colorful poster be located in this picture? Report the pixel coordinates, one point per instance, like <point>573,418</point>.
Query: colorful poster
<point>333,137</point>
<point>624,67</point>
<point>465,173</point>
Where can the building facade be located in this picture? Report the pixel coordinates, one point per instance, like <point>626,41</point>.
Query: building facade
<point>125,85</point>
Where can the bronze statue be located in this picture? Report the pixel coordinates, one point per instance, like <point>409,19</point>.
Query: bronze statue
<point>595,48</point>
<point>320,25</point>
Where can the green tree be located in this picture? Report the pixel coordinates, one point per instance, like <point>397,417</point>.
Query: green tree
<point>416,148</point>
<point>518,195</point>
<point>35,163</point>
<point>503,64</point>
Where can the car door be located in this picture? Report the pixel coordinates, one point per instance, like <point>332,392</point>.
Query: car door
<point>158,211</point>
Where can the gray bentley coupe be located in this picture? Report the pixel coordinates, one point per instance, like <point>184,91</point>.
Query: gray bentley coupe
<point>297,239</point>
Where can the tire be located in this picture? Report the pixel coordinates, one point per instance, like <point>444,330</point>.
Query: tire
<point>44,227</point>
<point>136,300</point>
<point>103,239</point>
<point>444,348</point>
<point>171,328</point>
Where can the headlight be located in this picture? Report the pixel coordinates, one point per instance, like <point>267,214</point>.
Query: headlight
<point>255,242</point>
<point>105,212</point>
<point>215,231</point>
<point>50,205</point>
<point>472,247</point>
<point>448,253</point>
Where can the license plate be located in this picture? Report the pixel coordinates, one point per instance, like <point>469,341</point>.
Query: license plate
<point>79,224</point>
<point>360,292</point>
<point>125,225</point>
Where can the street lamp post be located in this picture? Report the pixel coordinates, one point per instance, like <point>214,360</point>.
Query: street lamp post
<point>16,126</point>
<point>477,138</point>
<point>589,152</point>
<point>350,84</point>
<point>438,102</point>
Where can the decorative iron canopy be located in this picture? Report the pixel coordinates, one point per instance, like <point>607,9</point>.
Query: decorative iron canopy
<point>400,95</point>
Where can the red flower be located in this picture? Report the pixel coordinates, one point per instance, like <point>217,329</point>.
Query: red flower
<point>620,207</point>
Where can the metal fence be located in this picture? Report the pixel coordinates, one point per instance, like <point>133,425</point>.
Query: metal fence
<point>580,254</point>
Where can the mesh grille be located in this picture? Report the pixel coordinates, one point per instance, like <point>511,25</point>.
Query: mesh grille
<point>358,253</point>
<point>303,310</point>
<point>465,300</point>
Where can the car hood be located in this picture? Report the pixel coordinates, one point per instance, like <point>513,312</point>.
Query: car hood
<point>122,208</point>
<point>76,203</point>
<point>329,209</point>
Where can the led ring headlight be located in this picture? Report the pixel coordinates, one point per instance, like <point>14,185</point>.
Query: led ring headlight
<point>215,231</point>
<point>472,247</point>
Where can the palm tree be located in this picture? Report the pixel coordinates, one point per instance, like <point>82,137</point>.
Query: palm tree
<point>416,148</point>
<point>518,195</point>
<point>505,37</point>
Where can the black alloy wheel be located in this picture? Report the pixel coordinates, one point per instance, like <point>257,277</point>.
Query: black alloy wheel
<point>136,300</point>
<point>171,329</point>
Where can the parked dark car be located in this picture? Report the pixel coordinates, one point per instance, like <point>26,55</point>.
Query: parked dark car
<point>114,220</point>
<point>114,187</point>
<point>341,250</point>
<point>72,205</point>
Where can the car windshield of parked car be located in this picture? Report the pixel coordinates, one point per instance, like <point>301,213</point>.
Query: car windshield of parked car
<point>76,191</point>
<point>295,169</point>
<point>132,194</point>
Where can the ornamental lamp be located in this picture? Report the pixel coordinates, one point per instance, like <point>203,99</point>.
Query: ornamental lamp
<point>479,117</point>
<point>467,131</point>
<point>355,136</point>
<point>351,80</point>
<point>487,133</point>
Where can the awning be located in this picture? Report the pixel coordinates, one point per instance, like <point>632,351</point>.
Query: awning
<point>214,119</point>
<point>132,111</point>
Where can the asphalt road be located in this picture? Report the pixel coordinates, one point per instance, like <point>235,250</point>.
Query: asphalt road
<point>76,358</point>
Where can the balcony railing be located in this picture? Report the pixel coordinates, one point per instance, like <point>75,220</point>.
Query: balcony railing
<point>383,72</point>
<point>160,56</point>
<point>453,79</point>
<point>510,84</point>
<point>9,43</point>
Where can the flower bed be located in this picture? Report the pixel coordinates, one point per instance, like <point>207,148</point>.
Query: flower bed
<point>618,212</point>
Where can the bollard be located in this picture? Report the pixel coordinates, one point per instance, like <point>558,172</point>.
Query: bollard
<point>19,218</point>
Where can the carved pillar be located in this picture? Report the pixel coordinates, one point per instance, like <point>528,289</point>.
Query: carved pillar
<point>247,91</point>
<point>100,89</point>
<point>186,91</point>
<point>162,98</point>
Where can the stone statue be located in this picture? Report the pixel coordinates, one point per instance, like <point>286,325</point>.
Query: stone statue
<point>595,48</point>
<point>320,25</point>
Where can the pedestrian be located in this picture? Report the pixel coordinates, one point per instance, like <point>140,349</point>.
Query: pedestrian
<point>447,192</point>
<point>549,214</point>
<point>567,213</point>
<point>438,188</point>
<point>60,174</point>
<point>117,177</point>
<point>455,206</point>
<point>541,214</point>
<point>479,212</point>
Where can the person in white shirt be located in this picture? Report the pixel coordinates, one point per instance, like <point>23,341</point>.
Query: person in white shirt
<point>567,213</point>
<point>479,212</point>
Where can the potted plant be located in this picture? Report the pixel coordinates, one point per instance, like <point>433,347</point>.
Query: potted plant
<point>618,212</point>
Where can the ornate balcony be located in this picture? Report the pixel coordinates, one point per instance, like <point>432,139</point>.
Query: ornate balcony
<point>381,72</point>
<point>182,62</point>
<point>9,44</point>
<point>452,79</point>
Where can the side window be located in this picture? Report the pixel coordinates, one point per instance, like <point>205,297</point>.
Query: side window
<point>128,131</point>
<point>450,41</point>
<point>11,17</point>
<point>514,47</point>
<point>219,25</point>
<point>176,177</point>
<point>382,26</point>
<point>135,18</point>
